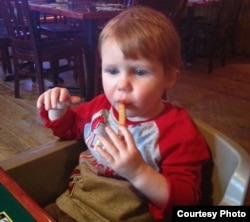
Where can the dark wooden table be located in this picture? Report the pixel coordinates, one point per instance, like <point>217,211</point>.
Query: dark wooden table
<point>86,12</point>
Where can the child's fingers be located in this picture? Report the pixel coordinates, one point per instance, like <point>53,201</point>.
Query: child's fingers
<point>52,97</point>
<point>125,135</point>
<point>39,102</point>
<point>47,102</point>
<point>56,98</point>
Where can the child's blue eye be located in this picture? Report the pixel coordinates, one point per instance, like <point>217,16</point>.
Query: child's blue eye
<point>113,71</point>
<point>140,72</point>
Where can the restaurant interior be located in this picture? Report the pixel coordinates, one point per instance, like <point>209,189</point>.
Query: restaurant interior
<point>214,83</point>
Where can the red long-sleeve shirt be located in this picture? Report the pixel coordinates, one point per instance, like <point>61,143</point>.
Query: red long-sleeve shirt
<point>170,143</point>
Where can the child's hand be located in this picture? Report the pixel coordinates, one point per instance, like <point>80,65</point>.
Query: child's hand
<point>122,153</point>
<point>56,101</point>
<point>125,159</point>
<point>52,97</point>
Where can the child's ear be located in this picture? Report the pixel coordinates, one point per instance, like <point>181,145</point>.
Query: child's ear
<point>171,78</point>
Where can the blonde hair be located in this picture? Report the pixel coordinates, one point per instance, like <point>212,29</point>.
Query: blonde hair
<point>142,32</point>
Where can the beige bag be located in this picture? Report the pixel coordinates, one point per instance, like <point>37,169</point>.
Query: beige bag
<point>100,198</point>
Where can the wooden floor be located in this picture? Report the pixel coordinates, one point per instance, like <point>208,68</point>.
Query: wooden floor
<point>221,99</point>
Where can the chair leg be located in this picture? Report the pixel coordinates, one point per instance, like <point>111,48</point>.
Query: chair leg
<point>39,77</point>
<point>8,60</point>
<point>55,66</point>
<point>210,65</point>
<point>16,80</point>
<point>17,86</point>
<point>211,54</point>
<point>80,73</point>
<point>98,75</point>
<point>191,50</point>
<point>6,63</point>
<point>223,53</point>
<point>3,60</point>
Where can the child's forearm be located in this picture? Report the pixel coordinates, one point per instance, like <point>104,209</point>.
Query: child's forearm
<point>153,185</point>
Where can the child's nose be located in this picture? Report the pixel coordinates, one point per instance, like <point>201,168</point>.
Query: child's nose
<point>124,83</point>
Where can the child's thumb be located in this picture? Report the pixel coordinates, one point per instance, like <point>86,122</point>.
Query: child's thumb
<point>68,102</point>
<point>75,99</point>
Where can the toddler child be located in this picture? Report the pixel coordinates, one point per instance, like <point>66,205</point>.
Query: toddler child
<point>155,160</point>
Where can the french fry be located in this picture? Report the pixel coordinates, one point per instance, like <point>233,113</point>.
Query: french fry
<point>122,116</point>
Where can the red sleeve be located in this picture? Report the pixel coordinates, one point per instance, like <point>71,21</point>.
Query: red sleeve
<point>184,152</point>
<point>71,124</point>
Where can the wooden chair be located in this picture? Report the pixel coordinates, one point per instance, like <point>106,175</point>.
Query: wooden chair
<point>61,27</point>
<point>30,51</point>
<point>175,10</point>
<point>172,9</point>
<point>210,28</point>
<point>57,26</point>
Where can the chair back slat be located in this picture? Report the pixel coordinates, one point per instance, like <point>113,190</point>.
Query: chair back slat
<point>175,10</point>
<point>172,9</point>
<point>208,13</point>
<point>30,51</point>
<point>230,13</point>
<point>219,14</point>
<point>17,18</point>
<point>212,25</point>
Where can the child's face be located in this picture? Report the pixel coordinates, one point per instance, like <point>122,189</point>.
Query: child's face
<point>139,84</point>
